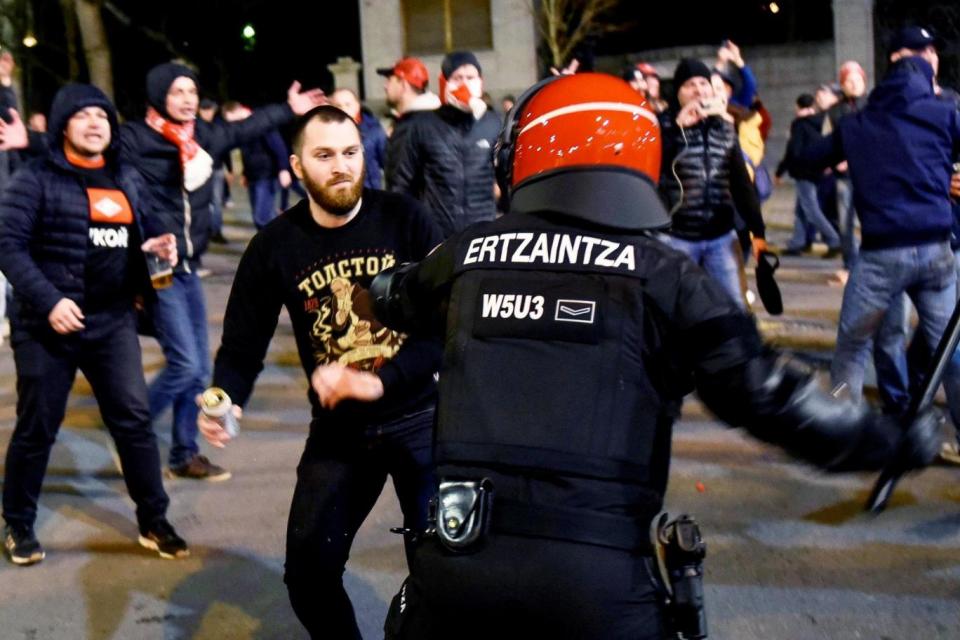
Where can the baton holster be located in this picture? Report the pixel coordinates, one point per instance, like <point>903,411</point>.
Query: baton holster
<point>679,551</point>
<point>459,515</point>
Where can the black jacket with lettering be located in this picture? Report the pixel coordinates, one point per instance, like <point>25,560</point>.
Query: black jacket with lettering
<point>569,349</point>
<point>320,275</point>
<point>444,158</point>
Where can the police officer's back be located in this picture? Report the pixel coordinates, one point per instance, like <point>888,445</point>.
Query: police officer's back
<point>571,338</point>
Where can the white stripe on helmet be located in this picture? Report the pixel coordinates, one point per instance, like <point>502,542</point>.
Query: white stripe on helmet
<point>592,106</point>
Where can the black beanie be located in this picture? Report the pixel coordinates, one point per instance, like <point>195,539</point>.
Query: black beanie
<point>689,68</point>
<point>456,59</point>
<point>159,80</point>
<point>74,97</point>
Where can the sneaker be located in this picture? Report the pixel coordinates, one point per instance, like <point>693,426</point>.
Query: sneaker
<point>22,545</point>
<point>797,251</point>
<point>161,538</point>
<point>200,468</point>
<point>219,238</point>
<point>832,252</point>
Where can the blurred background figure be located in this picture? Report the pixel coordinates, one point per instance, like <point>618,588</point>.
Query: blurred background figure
<point>266,166</point>
<point>372,135</point>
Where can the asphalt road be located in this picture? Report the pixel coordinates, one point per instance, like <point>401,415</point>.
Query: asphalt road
<point>791,556</point>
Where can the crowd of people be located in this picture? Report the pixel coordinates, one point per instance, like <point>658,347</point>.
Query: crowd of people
<point>97,205</point>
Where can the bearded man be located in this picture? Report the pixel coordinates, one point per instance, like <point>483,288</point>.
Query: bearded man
<point>372,399</point>
<point>444,158</point>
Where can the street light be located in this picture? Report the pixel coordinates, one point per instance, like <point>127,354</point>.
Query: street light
<point>29,41</point>
<point>774,8</point>
<point>249,37</point>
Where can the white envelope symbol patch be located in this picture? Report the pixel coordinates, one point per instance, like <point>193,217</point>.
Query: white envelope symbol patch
<point>581,311</point>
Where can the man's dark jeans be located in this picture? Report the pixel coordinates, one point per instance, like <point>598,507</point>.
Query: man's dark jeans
<point>339,479</point>
<point>108,354</point>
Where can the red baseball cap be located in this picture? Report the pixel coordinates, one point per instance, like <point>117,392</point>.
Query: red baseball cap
<point>647,69</point>
<point>409,69</point>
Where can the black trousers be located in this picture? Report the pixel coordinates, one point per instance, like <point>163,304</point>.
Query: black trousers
<point>339,478</point>
<point>108,354</point>
<point>516,587</point>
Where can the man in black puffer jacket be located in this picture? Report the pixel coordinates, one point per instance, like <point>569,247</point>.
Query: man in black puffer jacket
<point>703,179</point>
<point>444,158</point>
<point>70,242</point>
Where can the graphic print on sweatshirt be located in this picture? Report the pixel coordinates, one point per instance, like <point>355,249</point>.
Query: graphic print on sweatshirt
<point>110,219</point>
<point>344,329</point>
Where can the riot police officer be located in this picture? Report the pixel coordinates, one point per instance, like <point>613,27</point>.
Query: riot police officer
<point>572,335</point>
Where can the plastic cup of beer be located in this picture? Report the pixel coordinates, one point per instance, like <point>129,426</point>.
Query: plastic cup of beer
<point>161,271</point>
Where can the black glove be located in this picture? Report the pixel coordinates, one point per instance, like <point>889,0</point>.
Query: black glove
<point>888,444</point>
<point>921,441</point>
<point>780,403</point>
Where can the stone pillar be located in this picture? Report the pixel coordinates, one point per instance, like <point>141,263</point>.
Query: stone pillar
<point>509,67</point>
<point>345,74</point>
<point>382,42</point>
<point>853,34</point>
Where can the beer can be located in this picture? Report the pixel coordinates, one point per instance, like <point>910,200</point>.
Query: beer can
<point>216,404</point>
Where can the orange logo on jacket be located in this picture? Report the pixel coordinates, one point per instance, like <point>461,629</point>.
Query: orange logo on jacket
<point>109,205</point>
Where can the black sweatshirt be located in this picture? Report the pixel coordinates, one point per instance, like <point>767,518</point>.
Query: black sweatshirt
<point>318,274</point>
<point>112,242</point>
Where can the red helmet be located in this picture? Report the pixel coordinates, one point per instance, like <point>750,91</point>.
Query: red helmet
<point>575,142</point>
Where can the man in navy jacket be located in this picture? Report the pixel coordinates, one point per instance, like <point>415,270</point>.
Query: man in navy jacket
<point>900,149</point>
<point>71,244</point>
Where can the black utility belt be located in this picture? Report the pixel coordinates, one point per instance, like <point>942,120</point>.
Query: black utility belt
<point>464,511</point>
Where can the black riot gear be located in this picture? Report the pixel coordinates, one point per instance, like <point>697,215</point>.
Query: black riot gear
<point>569,346</point>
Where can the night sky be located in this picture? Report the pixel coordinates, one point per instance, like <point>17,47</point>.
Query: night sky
<point>298,39</point>
<point>294,40</point>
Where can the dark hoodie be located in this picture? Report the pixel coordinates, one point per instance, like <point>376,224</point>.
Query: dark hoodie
<point>45,219</point>
<point>900,149</point>
<point>374,149</point>
<point>169,207</point>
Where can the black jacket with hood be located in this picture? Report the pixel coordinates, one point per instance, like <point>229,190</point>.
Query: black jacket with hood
<point>900,148</point>
<point>45,221</point>
<point>168,206</point>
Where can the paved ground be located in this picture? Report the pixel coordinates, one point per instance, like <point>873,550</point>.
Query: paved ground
<point>791,556</point>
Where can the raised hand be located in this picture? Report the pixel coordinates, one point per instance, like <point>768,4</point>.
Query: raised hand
<point>13,135</point>
<point>302,101</point>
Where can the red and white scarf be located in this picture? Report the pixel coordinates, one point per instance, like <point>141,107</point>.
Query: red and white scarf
<point>196,163</point>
